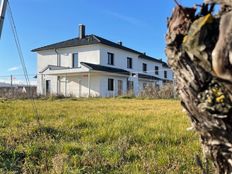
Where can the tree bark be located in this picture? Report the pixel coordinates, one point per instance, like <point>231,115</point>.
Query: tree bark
<point>199,52</point>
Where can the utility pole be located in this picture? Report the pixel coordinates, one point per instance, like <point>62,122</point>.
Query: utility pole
<point>11,81</point>
<point>11,85</point>
<point>2,14</point>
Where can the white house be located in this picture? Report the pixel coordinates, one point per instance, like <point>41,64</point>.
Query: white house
<point>93,66</point>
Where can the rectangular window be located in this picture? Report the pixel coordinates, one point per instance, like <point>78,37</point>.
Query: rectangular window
<point>144,67</point>
<point>156,70</point>
<point>129,62</point>
<point>165,74</point>
<point>110,84</point>
<point>110,59</point>
<point>75,61</point>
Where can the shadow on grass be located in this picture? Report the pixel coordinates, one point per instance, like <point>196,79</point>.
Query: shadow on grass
<point>11,160</point>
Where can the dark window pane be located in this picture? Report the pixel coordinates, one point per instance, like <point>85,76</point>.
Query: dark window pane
<point>75,62</point>
<point>129,62</point>
<point>110,58</point>
<point>110,84</point>
<point>144,67</point>
<point>165,74</point>
<point>156,70</point>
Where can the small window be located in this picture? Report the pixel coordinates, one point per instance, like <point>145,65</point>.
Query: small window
<point>165,74</point>
<point>129,62</point>
<point>156,70</point>
<point>110,59</point>
<point>75,61</point>
<point>110,84</point>
<point>144,67</point>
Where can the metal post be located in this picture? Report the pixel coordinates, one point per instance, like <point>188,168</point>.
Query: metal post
<point>11,81</point>
<point>114,87</point>
<point>11,85</point>
<point>65,85</point>
<point>89,82</point>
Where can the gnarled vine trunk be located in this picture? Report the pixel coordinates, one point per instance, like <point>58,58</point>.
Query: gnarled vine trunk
<point>199,50</point>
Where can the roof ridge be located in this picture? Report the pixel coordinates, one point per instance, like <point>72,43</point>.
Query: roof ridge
<point>96,39</point>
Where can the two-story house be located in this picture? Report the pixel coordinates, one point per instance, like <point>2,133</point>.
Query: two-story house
<point>93,66</point>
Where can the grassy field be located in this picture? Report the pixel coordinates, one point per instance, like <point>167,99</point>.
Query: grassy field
<point>96,136</point>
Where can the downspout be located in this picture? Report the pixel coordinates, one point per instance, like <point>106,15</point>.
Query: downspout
<point>65,85</point>
<point>89,82</point>
<point>58,64</point>
<point>57,54</point>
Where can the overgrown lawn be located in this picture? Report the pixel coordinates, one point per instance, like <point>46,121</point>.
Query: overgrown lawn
<point>96,136</point>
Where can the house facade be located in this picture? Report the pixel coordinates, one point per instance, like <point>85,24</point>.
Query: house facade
<point>93,66</point>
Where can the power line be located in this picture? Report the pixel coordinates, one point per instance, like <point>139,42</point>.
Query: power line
<point>21,57</point>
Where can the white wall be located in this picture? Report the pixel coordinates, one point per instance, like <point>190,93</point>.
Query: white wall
<point>150,67</point>
<point>169,74</point>
<point>104,85</point>
<point>120,61</point>
<point>78,86</point>
<point>120,58</point>
<point>87,53</point>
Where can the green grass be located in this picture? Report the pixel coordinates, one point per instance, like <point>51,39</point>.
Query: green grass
<point>96,136</point>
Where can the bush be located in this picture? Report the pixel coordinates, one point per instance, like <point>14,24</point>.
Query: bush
<point>167,91</point>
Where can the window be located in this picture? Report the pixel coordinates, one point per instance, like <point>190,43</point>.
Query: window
<point>144,67</point>
<point>156,70</point>
<point>129,62</point>
<point>75,62</point>
<point>165,74</point>
<point>110,84</point>
<point>110,59</point>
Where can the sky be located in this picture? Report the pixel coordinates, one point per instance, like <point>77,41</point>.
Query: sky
<point>139,24</point>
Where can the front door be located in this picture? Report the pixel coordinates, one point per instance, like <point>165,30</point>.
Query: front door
<point>48,87</point>
<point>120,86</point>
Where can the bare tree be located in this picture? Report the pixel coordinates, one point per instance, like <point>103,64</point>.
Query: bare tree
<point>199,50</point>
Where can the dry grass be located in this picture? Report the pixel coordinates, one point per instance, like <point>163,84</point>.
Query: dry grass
<point>96,136</point>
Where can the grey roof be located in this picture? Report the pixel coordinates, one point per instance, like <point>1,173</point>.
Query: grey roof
<point>165,65</point>
<point>105,68</point>
<point>149,77</point>
<point>90,40</point>
<point>53,67</point>
<point>144,56</point>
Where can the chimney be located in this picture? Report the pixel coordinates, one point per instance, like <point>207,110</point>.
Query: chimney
<point>81,31</point>
<point>120,43</point>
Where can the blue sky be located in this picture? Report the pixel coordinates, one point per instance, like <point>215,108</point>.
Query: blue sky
<point>140,25</point>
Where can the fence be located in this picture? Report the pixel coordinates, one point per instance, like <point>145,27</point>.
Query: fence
<point>13,86</point>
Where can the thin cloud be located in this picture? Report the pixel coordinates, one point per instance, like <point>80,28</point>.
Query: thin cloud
<point>15,68</point>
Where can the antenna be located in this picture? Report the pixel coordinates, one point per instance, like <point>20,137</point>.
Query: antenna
<point>2,14</point>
